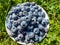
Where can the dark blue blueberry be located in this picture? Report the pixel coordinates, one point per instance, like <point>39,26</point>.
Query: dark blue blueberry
<point>9,25</point>
<point>33,21</point>
<point>31,34</point>
<point>27,9</point>
<point>15,23</point>
<point>26,37</point>
<point>35,14</point>
<point>13,29</point>
<point>36,30</point>
<point>30,14</point>
<point>20,36</point>
<point>36,37</point>
<point>23,24</point>
<point>31,41</point>
<point>25,13</point>
<point>40,39</point>
<point>22,19</point>
<point>39,19</point>
<point>20,14</point>
<point>19,27</point>
<point>45,22</point>
<point>11,21</point>
<point>27,4</point>
<point>40,27</point>
<point>39,9</point>
<point>46,29</point>
<point>30,28</point>
<point>14,16</point>
<point>41,33</point>
<point>43,14</point>
<point>32,9</point>
<point>10,17</point>
<point>19,21</point>
<point>16,39</point>
<point>39,13</point>
<point>14,36</point>
<point>28,18</point>
<point>17,10</point>
<point>35,7</point>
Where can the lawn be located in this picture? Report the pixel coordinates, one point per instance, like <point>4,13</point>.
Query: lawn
<point>52,8</point>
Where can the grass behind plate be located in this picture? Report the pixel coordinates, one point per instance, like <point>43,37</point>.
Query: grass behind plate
<point>52,7</point>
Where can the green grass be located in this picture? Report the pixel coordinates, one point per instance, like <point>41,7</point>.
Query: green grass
<point>52,7</point>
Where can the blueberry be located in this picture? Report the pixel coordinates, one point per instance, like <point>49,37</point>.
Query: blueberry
<point>40,39</point>
<point>31,41</point>
<point>35,14</point>
<point>39,13</point>
<point>30,13</point>
<point>32,9</point>
<point>36,37</point>
<point>13,29</point>
<point>17,10</point>
<point>37,22</point>
<point>35,7</point>
<point>26,37</point>
<point>23,18</point>
<point>27,9</point>
<point>28,18</point>
<point>39,19</point>
<point>10,17</point>
<point>9,25</point>
<point>27,4</point>
<point>46,29</point>
<point>20,36</point>
<point>20,14</point>
<point>15,17</point>
<point>25,13</point>
<point>31,34</point>
<point>19,27</point>
<point>22,9</point>
<point>16,39</point>
<point>19,21</point>
<point>43,14</point>
<point>15,35</point>
<point>40,27</point>
<point>41,33</point>
<point>45,22</point>
<point>36,30</point>
<point>33,21</point>
<point>30,27</point>
<point>15,23</point>
<point>23,24</point>
<point>39,9</point>
<point>11,21</point>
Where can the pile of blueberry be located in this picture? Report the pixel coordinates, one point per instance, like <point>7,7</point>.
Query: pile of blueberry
<point>28,22</point>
